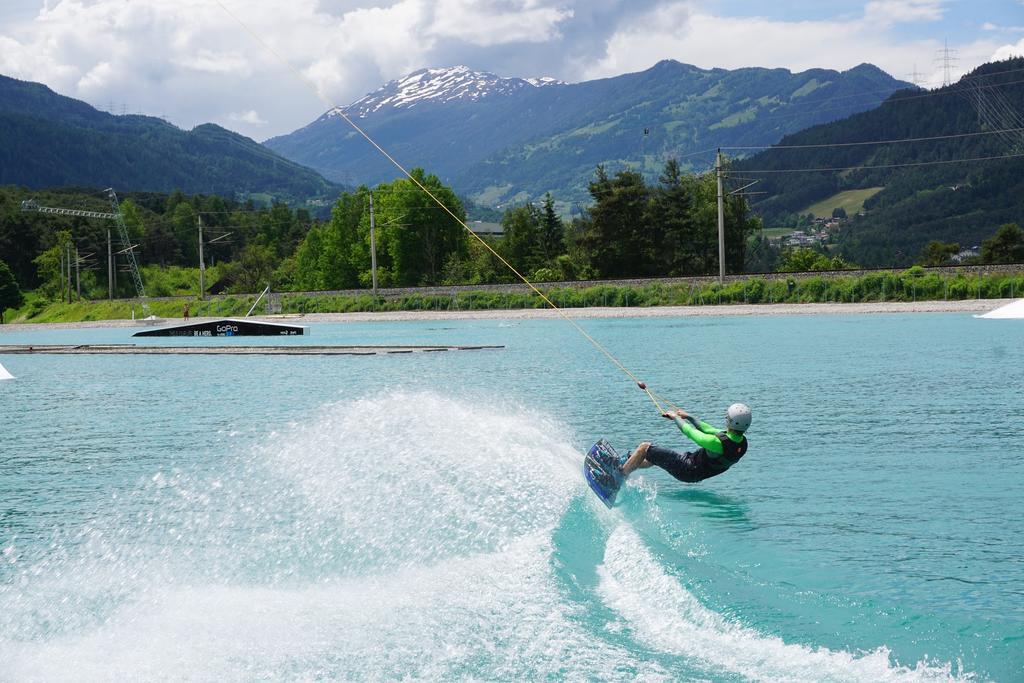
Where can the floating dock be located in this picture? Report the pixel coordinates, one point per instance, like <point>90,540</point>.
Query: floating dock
<point>296,350</point>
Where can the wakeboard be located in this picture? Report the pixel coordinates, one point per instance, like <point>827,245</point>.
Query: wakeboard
<point>602,469</point>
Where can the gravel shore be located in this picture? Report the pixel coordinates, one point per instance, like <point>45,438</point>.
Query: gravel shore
<point>970,306</point>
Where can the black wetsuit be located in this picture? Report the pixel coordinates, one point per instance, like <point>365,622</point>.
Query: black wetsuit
<point>719,450</point>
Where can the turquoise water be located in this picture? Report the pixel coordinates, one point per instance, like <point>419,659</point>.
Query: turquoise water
<point>423,516</point>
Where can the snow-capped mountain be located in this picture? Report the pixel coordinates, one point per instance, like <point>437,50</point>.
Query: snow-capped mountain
<point>510,139</point>
<point>440,86</point>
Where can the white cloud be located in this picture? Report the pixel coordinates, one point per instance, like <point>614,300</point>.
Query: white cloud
<point>251,117</point>
<point>97,78</point>
<point>989,26</point>
<point>885,12</point>
<point>1007,51</point>
<point>214,62</point>
<point>691,35</point>
<point>189,60</point>
<point>495,22</point>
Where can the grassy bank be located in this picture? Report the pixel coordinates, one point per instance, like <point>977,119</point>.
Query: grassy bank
<point>910,285</point>
<point>38,310</point>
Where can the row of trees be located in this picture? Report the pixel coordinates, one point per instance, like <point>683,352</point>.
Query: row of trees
<point>415,238</point>
<point>668,229</point>
<point>632,229</point>
<point>253,240</point>
<point>1005,246</point>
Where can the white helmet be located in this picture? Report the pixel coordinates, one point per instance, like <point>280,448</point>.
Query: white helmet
<point>737,417</point>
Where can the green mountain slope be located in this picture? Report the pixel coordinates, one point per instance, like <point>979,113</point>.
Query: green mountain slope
<point>519,142</point>
<point>50,140</point>
<point>672,110</point>
<point>930,191</point>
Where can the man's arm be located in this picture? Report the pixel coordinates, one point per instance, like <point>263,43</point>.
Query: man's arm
<point>698,423</point>
<point>708,429</point>
<point>708,442</point>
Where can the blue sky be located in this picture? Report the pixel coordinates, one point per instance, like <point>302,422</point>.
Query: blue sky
<point>190,62</point>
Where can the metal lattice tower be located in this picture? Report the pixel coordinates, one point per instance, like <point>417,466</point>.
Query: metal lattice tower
<point>948,59</point>
<point>127,246</point>
<point>122,227</point>
<point>916,77</point>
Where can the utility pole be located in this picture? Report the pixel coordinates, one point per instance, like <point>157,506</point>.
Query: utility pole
<point>78,274</point>
<point>110,268</point>
<point>373,248</point>
<point>721,219</point>
<point>202,263</point>
<point>68,249</point>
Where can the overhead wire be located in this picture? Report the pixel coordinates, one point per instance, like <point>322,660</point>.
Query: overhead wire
<point>877,142</point>
<point>596,344</point>
<point>878,166</point>
<point>955,89</point>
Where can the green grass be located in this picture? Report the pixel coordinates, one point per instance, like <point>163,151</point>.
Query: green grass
<point>594,128</point>
<point>914,284</point>
<point>39,310</point>
<point>852,201</point>
<point>808,87</point>
<point>492,195</point>
<point>736,119</point>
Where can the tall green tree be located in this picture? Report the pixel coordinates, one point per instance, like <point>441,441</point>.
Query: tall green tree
<point>617,238</point>
<point>672,203</point>
<point>1006,246</point>
<point>417,235</point>
<point>938,253</point>
<point>51,265</point>
<point>10,293</point>
<point>256,267</point>
<point>340,255</point>
<point>552,233</point>
<point>184,223</point>
<point>523,238</point>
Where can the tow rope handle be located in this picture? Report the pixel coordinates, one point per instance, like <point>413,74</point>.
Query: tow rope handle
<point>654,397</point>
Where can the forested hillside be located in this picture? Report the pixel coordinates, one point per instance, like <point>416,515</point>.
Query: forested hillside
<point>54,141</point>
<point>955,172</point>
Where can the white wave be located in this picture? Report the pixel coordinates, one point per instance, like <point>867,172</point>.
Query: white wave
<point>495,615</point>
<point>4,374</point>
<point>410,477</point>
<point>667,617</point>
<point>440,518</point>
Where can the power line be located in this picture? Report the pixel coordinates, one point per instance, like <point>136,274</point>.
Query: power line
<point>879,166</point>
<point>955,89</point>
<point>881,142</point>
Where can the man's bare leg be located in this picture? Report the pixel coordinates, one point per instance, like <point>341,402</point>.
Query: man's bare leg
<point>636,460</point>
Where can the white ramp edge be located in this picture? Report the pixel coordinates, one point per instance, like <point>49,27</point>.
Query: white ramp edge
<point>4,374</point>
<point>1012,310</point>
